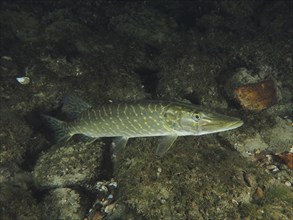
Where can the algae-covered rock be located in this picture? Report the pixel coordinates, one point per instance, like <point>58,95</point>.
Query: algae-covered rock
<point>198,177</point>
<point>22,24</point>
<point>195,179</point>
<point>144,24</point>
<point>18,203</point>
<point>190,76</point>
<point>276,203</point>
<point>63,203</point>
<point>14,137</point>
<point>70,165</point>
<point>280,136</point>
<point>246,142</point>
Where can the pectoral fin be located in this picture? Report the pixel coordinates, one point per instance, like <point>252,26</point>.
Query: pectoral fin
<point>164,145</point>
<point>118,144</point>
<point>86,139</point>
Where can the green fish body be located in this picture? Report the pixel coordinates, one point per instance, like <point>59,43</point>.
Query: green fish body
<point>138,119</point>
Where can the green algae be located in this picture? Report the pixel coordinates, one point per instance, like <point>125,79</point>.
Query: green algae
<point>280,193</point>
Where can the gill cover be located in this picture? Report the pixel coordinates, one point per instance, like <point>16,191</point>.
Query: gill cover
<point>182,120</point>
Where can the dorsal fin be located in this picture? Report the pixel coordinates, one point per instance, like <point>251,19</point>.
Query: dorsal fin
<point>73,106</point>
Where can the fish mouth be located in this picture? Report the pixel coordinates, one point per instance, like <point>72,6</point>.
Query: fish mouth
<point>230,125</point>
<point>219,127</point>
<point>223,125</point>
<point>214,123</point>
<point>236,124</point>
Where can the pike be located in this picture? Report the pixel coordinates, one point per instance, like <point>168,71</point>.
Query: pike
<point>124,120</point>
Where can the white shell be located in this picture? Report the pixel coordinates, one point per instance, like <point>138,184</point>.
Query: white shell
<point>23,80</point>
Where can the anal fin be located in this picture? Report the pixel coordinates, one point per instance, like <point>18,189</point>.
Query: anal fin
<point>164,145</point>
<point>86,139</point>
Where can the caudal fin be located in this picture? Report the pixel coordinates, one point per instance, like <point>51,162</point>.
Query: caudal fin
<point>59,128</point>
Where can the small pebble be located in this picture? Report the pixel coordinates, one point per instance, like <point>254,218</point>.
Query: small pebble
<point>113,184</point>
<point>249,179</point>
<point>110,197</point>
<point>259,194</point>
<point>273,168</point>
<point>159,170</point>
<point>103,189</point>
<point>235,202</point>
<point>99,184</point>
<point>109,208</point>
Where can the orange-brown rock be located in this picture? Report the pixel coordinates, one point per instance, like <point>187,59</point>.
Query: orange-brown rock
<point>257,96</point>
<point>287,158</point>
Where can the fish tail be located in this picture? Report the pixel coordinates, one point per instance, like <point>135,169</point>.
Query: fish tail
<point>59,128</point>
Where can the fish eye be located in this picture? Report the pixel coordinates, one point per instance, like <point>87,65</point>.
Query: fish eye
<point>196,117</point>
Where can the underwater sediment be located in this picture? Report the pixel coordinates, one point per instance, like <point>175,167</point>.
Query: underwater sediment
<point>232,58</point>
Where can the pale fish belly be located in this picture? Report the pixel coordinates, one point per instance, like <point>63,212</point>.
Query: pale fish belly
<point>122,119</point>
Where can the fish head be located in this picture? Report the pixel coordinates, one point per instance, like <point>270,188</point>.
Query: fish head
<point>195,120</point>
<point>208,122</point>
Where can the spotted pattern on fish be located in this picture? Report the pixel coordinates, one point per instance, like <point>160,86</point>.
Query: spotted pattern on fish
<point>139,119</point>
<point>122,119</point>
